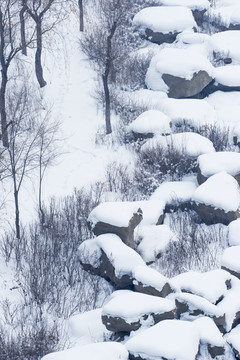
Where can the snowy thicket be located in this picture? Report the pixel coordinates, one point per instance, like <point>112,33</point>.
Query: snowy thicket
<point>133,252</point>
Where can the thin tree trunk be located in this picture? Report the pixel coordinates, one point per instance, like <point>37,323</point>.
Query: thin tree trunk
<point>17,213</point>
<point>38,55</point>
<point>4,69</point>
<point>23,34</point>
<point>107,104</point>
<point>80,5</point>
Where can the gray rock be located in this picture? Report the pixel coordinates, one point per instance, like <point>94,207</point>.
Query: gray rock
<point>216,350</point>
<point>160,38</point>
<point>150,290</point>
<point>126,234</point>
<point>182,88</point>
<point>211,215</point>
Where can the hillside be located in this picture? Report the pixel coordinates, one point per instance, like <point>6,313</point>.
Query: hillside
<point>127,244</point>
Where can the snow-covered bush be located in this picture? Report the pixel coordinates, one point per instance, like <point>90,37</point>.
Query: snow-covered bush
<point>199,246</point>
<point>157,164</point>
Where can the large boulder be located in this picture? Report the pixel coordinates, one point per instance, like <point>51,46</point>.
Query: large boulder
<point>121,218</point>
<point>151,282</point>
<point>128,311</point>
<point>223,44</point>
<point>181,73</point>
<point>198,7</point>
<point>190,306</point>
<point>211,164</point>
<point>217,199</point>
<point>233,339</point>
<point>169,339</point>
<point>161,24</point>
<point>150,123</point>
<point>230,260</point>
<point>108,257</point>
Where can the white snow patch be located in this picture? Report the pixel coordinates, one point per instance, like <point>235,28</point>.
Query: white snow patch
<point>209,333</point>
<point>88,326</point>
<point>189,143</point>
<point>228,75</point>
<point>233,338</point>
<point>98,351</point>
<point>220,191</point>
<point>174,191</point>
<point>151,121</point>
<point>164,19</point>
<point>214,163</point>
<point>154,241</point>
<point>230,258</point>
<point>192,4</point>
<point>234,233</point>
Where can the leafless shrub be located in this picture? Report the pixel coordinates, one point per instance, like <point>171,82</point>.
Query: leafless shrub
<point>199,247</point>
<point>158,164</point>
<point>220,136</point>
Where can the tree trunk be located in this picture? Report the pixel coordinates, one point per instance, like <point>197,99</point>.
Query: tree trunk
<point>17,216</point>
<point>80,5</point>
<point>4,127</point>
<point>38,55</point>
<point>4,69</point>
<point>107,104</point>
<point>23,34</point>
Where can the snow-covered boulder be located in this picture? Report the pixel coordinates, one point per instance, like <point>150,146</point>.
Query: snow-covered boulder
<point>175,193</point>
<point>227,78</point>
<point>108,257</point>
<point>225,17</point>
<point>98,351</point>
<point>233,338</point>
<point>149,123</point>
<point>234,233</point>
<point>128,311</point>
<point>211,285</point>
<point>210,336</point>
<point>230,305</point>
<point>190,113</point>
<point>161,24</point>
<point>188,143</point>
<point>151,282</point>
<point>190,306</point>
<point>218,199</point>
<point>211,164</point>
<point>230,260</point>
<point>181,73</point>
<point>198,7</point>
<point>88,326</point>
<point>169,339</point>
<point>154,239</point>
<point>119,218</point>
<point>223,45</point>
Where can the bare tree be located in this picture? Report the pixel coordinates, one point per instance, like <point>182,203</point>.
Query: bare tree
<point>39,11</point>
<point>81,17</point>
<point>30,134</point>
<point>105,44</point>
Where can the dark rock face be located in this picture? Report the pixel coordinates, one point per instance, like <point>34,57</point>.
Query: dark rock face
<point>216,351</point>
<point>125,233</point>
<point>150,290</point>
<point>107,271</point>
<point>117,324</point>
<point>210,215</point>
<point>160,38</point>
<point>231,272</point>
<point>181,88</point>
<point>182,307</point>
<point>199,16</point>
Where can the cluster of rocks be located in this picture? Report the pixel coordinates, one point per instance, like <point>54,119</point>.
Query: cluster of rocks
<point>185,21</point>
<point>151,311</point>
